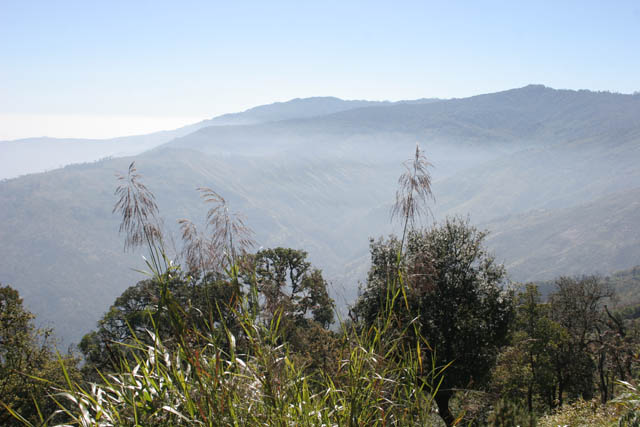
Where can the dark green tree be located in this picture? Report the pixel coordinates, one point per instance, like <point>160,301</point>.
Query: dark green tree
<point>566,348</point>
<point>577,305</point>
<point>615,349</point>
<point>28,364</point>
<point>454,289</point>
<point>202,302</point>
<point>289,285</point>
<point>286,283</point>
<point>295,294</point>
<point>525,370</point>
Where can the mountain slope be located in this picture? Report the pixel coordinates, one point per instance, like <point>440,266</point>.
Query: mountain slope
<point>597,237</point>
<point>325,184</point>
<point>61,247</point>
<point>298,108</point>
<point>31,155</point>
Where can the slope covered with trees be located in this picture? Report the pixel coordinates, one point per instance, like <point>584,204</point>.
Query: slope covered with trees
<point>325,184</point>
<point>242,337</point>
<point>33,155</point>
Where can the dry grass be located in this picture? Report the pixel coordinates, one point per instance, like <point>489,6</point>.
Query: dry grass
<point>225,236</point>
<point>414,191</point>
<point>138,209</point>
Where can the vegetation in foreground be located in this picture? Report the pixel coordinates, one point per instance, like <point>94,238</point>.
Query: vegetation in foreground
<point>238,338</point>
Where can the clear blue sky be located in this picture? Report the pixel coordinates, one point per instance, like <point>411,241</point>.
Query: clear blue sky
<point>199,59</point>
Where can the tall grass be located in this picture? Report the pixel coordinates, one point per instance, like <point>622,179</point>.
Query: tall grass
<point>203,378</point>
<point>204,384</point>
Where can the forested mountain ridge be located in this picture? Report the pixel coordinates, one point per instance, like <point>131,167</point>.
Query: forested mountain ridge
<point>32,155</point>
<point>325,184</point>
<point>602,234</point>
<point>532,113</point>
<point>299,108</point>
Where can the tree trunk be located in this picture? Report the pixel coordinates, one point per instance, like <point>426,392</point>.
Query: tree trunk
<point>442,400</point>
<point>560,392</point>
<point>603,380</point>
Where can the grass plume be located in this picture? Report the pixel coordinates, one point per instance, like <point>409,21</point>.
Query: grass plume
<point>414,191</point>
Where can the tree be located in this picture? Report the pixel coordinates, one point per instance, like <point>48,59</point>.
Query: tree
<point>577,305</point>
<point>525,369</point>
<point>203,302</point>
<point>615,346</point>
<point>28,365</point>
<point>455,288</point>
<point>293,293</point>
<point>289,284</point>
<point>567,347</point>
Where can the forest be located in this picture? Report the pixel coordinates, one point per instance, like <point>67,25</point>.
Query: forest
<point>228,334</point>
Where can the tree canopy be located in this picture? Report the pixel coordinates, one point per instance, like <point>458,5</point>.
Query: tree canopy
<point>287,282</point>
<point>28,364</point>
<point>455,291</point>
<point>287,286</point>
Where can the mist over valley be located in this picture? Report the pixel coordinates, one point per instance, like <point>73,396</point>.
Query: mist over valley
<point>552,174</point>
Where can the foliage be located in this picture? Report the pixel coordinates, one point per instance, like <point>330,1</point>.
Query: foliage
<point>243,339</point>
<point>582,413</point>
<point>203,301</point>
<point>261,387</point>
<point>454,292</point>
<point>287,288</point>
<point>204,377</point>
<point>525,373</point>
<point>507,413</point>
<point>576,305</point>
<point>26,358</point>
<point>290,286</point>
<point>629,405</point>
<point>566,349</point>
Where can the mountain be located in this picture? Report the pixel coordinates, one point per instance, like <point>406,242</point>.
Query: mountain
<point>626,284</point>
<point>31,155</point>
<point>599,237</point>
<point>534,165</point>
<point>299,108</point>
<point>61,246</point>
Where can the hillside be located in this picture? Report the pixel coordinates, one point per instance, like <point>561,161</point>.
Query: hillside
<point>598,237</point>
<point>551,172</point>
<point>32,155</point>
<point>297,108</point>
<point>626,284</point>
<point>69,260</point>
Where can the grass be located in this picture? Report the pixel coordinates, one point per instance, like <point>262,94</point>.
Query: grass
<point>202,378</point>
<point>205,385</point>
<point>212,377</point>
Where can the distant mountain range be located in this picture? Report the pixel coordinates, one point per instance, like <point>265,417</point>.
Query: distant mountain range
<point>552,173</point>
<point>32,155</point>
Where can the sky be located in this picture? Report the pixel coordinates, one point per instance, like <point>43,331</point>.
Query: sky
<point>99,69</point>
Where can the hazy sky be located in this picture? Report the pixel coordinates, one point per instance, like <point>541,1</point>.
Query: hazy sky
<point>102,68</point>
